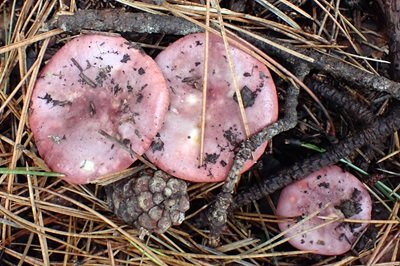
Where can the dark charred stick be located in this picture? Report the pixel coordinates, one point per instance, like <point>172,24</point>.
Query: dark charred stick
<point>337,99</point>
<point>330,65</point>
<point>121,21</point>
<point>391,10</point>
<point>218,214</point>
<point>381,127</point>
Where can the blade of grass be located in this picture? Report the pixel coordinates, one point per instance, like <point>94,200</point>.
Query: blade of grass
<point>19,171</point>
<point>387,191</point>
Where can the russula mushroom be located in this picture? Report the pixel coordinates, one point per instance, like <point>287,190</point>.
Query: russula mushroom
<point>176,148</point>
<point>152,202</point>
<point>96,94</point>
<point>337,194</point>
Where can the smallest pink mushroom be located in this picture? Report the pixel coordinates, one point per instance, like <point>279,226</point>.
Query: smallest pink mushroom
<point>345,197</point>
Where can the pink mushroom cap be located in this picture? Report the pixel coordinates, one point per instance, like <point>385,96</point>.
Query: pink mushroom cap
<point>176,148</point>
<point>346,197</point>
<point>96,94</point>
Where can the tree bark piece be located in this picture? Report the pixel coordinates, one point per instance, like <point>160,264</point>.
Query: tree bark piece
<point>121,21</point>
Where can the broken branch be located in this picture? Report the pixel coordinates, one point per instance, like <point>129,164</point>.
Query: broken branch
<point>122,21</point>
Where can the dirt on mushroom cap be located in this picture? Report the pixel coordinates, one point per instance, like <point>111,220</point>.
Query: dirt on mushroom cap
<point>95,84</point>
<point>345,197</point>
<point>176,149</point>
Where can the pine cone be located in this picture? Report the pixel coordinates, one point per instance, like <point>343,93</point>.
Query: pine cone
<point>153,201</point>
